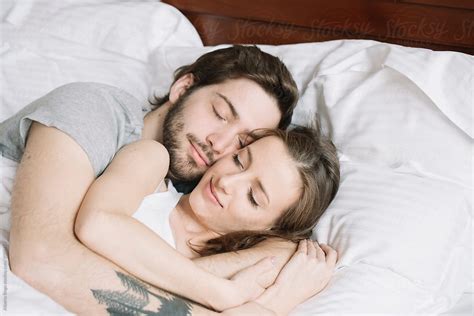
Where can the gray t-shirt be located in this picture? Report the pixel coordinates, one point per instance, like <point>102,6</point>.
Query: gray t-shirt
<point>99,117</point>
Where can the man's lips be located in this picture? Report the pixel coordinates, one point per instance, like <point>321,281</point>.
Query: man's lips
<point>212,191</point>
<point>199,156</point>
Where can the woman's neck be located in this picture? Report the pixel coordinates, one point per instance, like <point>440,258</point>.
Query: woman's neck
<point>191,231</point>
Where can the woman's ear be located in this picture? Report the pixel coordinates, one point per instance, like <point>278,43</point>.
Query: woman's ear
<point>180,86</point>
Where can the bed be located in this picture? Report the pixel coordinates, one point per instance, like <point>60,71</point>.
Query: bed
<point>392,80</point>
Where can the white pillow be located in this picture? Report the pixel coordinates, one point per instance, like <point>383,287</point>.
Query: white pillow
<point>46,44</point>
<point>401,221</point>
<point>129,28</point>
<point>404,241</point>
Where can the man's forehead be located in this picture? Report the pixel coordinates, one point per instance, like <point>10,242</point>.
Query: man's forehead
<point>241,88</point>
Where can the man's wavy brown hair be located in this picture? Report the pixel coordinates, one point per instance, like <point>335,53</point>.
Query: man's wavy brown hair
<point>249,62</point>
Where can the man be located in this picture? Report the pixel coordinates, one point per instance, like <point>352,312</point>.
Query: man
<point>64,140</point>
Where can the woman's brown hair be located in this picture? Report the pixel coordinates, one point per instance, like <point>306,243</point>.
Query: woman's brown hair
<point>249,62</point>
<point>316,159</point>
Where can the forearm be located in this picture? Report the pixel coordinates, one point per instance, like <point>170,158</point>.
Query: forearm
<point>150,258</point>
<point>87,284</point>
<point>274,300</point>
<point>227,264</point>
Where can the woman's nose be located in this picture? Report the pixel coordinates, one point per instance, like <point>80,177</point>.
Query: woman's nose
<point>229,182</point>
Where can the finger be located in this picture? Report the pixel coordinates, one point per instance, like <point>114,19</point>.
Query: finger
<point>331,254</point>
<point>302,248</point>
<point>320,254</point>
<point>311,249</point>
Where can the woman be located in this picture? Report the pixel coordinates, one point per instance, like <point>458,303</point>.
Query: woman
<point>277,186</point>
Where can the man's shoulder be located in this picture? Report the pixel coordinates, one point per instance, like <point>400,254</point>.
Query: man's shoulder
<point>93,89</point>
<point>87,86</point>
<point>94,97</point>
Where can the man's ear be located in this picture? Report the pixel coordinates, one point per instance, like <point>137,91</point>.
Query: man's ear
<point>180,86</point>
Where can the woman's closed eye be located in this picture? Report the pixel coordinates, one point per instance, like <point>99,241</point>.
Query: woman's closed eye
<point>241,143</point>
<point>237,162</point>
<point>250,195</point>
<point>251,198</point>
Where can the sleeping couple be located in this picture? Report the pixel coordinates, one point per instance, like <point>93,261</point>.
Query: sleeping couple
<point>97,227</point>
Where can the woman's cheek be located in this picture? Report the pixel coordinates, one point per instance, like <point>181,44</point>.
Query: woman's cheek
<point>197,203</point>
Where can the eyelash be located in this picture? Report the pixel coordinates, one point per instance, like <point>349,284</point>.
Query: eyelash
<point>237,162</point>
<point>241,143</point>
<point>217,114</point>
<point>251,198</point>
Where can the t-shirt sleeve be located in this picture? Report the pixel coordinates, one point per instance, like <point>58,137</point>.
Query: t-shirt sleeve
<point>100,118</point>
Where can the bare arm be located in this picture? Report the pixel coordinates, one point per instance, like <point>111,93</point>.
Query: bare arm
<point>227,264</point>
<point>106,210</point>
<point>51,181</point>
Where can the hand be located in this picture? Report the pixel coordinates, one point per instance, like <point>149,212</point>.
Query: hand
<point>305,275</point>
<point>246,285</point>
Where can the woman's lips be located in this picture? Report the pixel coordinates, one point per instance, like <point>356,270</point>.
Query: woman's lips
<point>198,156</point>
<point>211,192</point>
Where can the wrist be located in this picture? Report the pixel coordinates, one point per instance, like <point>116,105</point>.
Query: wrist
<point>274,299</point>
<point>209,290</point>
<point>269,296</point>
<point>222,294</point>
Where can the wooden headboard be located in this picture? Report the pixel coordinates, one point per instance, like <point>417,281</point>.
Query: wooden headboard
<point>434,24</point>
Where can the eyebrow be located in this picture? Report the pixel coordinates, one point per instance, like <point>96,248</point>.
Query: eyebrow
<point>231,106</point>
<point>259,183</point>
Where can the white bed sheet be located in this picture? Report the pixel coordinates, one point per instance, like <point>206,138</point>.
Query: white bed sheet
<point>464,307</point>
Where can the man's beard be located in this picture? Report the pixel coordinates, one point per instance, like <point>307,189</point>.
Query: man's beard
<point>182,167</point>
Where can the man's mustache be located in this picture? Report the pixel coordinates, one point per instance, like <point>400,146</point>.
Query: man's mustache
<point>204,147</point>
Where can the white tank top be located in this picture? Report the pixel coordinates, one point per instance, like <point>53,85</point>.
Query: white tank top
<point>155,209</point>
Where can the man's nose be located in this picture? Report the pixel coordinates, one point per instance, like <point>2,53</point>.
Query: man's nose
<point>223,143</point>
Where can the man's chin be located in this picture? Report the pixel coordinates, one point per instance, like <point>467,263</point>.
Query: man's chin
<point>179,176</point>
